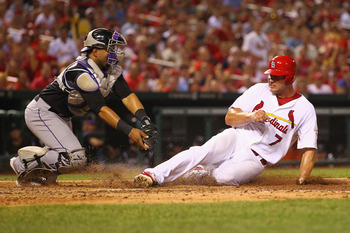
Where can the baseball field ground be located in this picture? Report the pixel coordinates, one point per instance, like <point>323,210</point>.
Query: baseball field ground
<point>103,199</point>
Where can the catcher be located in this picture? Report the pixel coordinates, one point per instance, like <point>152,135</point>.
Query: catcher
<point>82,86</point>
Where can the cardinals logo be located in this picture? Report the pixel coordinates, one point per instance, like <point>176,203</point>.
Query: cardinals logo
<point>291,117</point>
<point>273,65</point>
<point>258,106</point>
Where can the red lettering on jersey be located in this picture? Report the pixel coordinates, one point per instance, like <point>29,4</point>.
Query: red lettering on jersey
<point>282,128</point>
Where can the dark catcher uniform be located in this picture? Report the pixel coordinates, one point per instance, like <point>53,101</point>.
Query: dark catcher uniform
<point>83,86</point>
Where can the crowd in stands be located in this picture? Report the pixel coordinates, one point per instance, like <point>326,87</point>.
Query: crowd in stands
<point>181,45</point>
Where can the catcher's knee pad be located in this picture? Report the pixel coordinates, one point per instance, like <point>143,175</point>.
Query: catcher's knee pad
<point>30,153</point>
<point>71,161</point>
<point>32,157</point>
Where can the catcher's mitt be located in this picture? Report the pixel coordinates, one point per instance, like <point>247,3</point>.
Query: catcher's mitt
<point>151,130</point>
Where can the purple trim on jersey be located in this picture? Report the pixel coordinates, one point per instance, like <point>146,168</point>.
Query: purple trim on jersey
<point>65,79</point>
<point>66,82</point>
<point>91,75</point>
<point>50,130</point>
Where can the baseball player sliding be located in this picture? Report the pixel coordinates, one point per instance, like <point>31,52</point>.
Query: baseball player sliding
<point>266,120</point>
<point>81,87</point>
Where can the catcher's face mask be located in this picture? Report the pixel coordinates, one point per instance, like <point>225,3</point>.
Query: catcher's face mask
<point>102,38</point>
<point>114,54</point>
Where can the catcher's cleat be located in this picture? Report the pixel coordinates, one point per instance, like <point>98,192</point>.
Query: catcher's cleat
<point>38,177</point>
<point>143,180</point>
<point>37,181</point>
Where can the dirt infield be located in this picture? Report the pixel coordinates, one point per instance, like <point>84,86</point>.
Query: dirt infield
<point>122,191</point>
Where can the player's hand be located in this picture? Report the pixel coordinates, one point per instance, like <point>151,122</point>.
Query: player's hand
<point>137,135</point>
<point>149,128</point>
<point>259,116</point>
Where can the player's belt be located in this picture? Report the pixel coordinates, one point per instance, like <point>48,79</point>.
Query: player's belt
<point>263,161</point>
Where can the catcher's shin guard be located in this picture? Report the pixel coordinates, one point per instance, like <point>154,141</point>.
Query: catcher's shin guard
<point>40,165</point>
<point>72,161</point>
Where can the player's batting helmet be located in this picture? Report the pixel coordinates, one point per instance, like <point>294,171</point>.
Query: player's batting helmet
<point>283,65</point>
<point>103,38</point>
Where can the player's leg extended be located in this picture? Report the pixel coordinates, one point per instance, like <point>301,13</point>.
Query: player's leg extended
<point>219,148</point>
<point>241,168</point>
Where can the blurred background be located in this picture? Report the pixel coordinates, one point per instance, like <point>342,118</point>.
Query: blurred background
<point>187,60</point>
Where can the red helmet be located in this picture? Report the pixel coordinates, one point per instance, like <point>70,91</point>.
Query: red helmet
<point>283,65</point>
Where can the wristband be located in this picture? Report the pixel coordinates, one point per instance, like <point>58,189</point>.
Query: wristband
<point>140,114</point>
<point>123,127</point>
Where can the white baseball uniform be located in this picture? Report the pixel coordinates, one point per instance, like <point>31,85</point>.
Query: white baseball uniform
<point>241,153</point>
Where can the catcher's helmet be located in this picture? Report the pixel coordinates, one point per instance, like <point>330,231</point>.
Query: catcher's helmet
<point>283,65</point>
<point>103,38</point>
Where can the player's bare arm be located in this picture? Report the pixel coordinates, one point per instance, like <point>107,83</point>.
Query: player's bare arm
<point>112,119</point>
<point>307,164</point>
<point>132,103</point>
<point>236,117</point>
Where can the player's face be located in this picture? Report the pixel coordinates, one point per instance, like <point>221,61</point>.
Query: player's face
<point>277,84</point>
<point>101,58</point>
